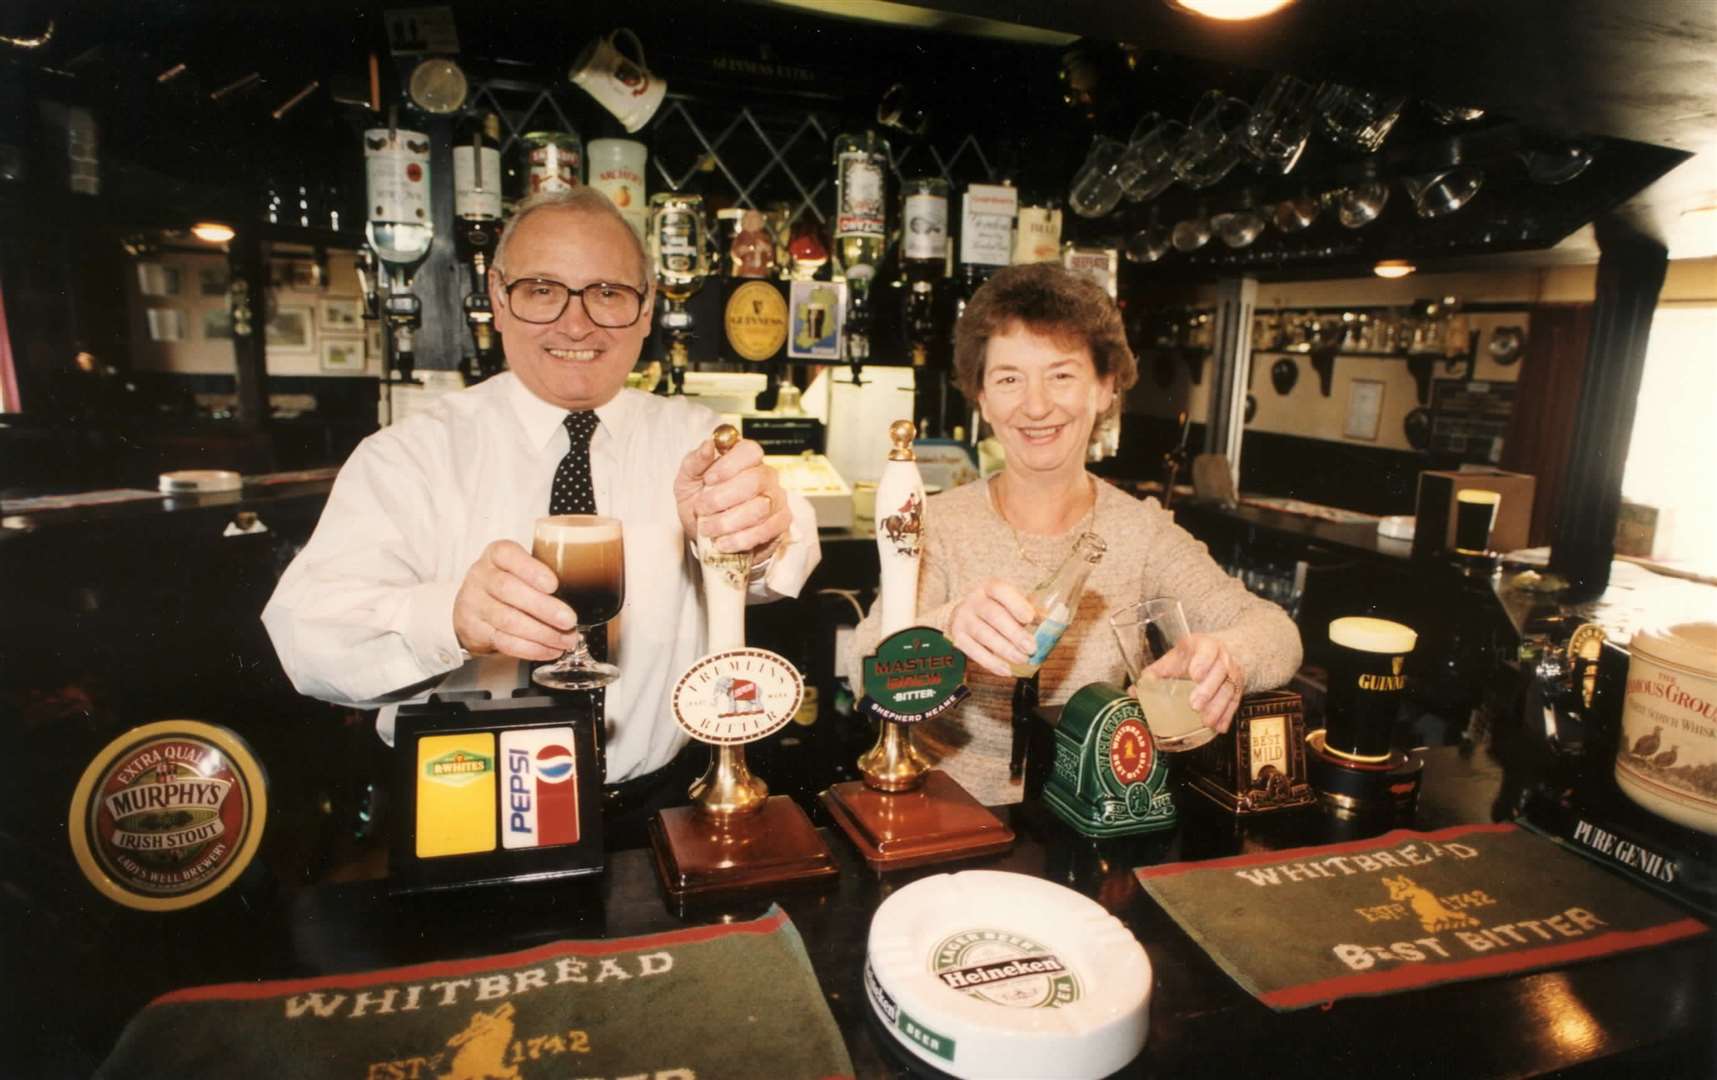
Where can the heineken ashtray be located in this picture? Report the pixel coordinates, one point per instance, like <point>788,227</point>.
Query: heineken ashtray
<point>991,974</point>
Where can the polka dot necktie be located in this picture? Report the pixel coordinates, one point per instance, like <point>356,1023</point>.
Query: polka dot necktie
<point>573,494</point>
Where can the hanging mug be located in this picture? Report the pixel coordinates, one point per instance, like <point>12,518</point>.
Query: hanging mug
<point>624,86</point>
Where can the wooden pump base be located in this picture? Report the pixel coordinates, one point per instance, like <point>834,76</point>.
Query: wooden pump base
<point>937,822</point>
<point>700,855</point>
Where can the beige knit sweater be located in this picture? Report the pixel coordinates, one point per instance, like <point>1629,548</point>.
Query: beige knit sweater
<point>967,541</point>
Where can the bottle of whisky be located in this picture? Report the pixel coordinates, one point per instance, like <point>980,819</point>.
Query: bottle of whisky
<point>1057,599</point>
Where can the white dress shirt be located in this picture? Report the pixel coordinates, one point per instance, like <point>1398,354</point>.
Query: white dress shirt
<point>366,609</point>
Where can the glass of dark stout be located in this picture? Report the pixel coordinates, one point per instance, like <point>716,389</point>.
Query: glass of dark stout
<point>587,556</point>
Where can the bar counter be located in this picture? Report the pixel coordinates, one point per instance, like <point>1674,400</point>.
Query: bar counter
<point>1639,1013</point>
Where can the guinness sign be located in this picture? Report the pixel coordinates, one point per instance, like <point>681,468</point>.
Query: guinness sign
<point>756,321</point>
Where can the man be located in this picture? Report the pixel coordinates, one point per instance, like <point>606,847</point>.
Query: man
<point>420,568</point>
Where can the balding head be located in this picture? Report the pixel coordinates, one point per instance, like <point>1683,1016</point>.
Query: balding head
<point>580,200</point>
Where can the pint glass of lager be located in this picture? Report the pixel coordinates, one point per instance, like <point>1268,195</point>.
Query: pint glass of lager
<point>588,560</point>
<point>1475,510</point>
<point>1365,685</point>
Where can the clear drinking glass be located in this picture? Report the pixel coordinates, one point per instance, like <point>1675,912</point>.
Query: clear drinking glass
<point>1280,123</point>
<point>1213,142</point>
<point>1146,632</point>
<point>1358,118</point>
<point>587,555</point>
<point>1097,186</point>
<point>1150,159</point>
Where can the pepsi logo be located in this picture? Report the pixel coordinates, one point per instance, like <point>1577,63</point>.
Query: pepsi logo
<point>553,763</point>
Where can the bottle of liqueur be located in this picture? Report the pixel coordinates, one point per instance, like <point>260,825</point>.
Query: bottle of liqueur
<point>860,228</point>
<point>923,257</point>
<point>679,253</point>
<point>1057,599</point>
<point>477,227</point>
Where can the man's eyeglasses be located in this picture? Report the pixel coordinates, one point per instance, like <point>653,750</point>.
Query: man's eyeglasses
<point>539,300</point>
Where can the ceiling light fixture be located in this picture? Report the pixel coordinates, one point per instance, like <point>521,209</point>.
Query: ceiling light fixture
<point>1393,268</point>
<point>212,232</point>
<point>1230,10</point>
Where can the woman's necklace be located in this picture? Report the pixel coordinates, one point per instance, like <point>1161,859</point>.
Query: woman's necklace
<point>1019,541</point>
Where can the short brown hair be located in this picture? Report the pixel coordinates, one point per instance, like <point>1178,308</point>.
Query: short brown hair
<point>1047,300</point>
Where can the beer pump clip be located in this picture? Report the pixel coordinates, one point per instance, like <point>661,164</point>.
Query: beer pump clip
<point>735,837</point>
<point>906,813</point>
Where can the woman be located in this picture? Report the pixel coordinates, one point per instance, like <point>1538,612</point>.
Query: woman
<point>1043,354</point>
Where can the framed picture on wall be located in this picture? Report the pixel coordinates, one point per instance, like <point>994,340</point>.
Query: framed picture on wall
<point>290,328</point>
<point>1364,409</point>
<point>344,314</point>
<point>217,325</point>
<point>343,354</point>
<point>166,324</point>
<point>212,280</point>
<point>156,279</point>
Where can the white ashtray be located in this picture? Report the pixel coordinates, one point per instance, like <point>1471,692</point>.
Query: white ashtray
<point>1396,527</point>
<point>990,974</point>
<point>200,481</point>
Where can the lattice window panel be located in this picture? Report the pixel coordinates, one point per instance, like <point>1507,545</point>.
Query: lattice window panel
<point>754,156</point>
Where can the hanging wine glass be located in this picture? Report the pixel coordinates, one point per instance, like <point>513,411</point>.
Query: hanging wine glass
<point>1359,205</point>
<point>1149,242</point>
<point>1450,115</point>
<point>1191,234</point>
<point>1556,165</point>
<point>1439,194</point>
<point>1239,228</point>
<point>1292,215</point>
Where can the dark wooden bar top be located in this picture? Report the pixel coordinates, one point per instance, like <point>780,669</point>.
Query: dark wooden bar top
<point>1645,1013</point>
<point>1339,536</point>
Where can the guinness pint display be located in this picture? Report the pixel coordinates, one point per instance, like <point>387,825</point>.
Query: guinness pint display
<point>1365,683</point>
<point>735,836</point>
<point>1475,511</point>
<point>906,813</point>
<point>1353,762</point>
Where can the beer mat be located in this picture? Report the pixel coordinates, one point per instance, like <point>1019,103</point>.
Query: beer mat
<point>38,503</point>
<point>736,1000</point>
<point>1406,910</point>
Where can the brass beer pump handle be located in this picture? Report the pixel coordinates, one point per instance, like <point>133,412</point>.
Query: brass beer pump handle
<point>728,788</point>
<point>901,433</point>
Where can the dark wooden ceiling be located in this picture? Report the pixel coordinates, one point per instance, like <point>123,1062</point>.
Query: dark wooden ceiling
<point>1639,70</point>
<point>1640,74</point>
